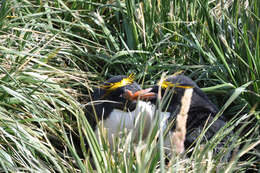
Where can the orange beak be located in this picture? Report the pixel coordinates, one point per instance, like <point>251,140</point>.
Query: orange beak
<point>141,94</point>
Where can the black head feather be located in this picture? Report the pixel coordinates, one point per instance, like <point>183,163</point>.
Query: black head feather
<point>177,84</point>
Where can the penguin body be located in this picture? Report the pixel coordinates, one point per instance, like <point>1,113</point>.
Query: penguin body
<point>116,107</point>
<point>118,122</point>
<point>200,110</point>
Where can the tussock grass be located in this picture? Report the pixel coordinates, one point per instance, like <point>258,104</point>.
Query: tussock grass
<point>52,53</point>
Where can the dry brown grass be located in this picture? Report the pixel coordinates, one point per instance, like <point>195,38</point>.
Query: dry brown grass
<point>179,134</point>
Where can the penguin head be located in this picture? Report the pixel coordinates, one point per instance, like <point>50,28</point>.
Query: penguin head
<point>121,89</point>
<point>119,92</point>
<point>175,86</point>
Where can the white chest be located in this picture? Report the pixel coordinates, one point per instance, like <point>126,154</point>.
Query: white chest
<point>119,121</point>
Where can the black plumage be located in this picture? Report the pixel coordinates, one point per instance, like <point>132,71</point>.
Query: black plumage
<point>201,109</point>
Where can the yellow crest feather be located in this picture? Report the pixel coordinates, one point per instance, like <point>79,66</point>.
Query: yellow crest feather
<point>165,84</point>
<point>125,81</point>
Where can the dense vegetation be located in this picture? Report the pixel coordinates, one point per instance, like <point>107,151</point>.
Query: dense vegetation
<point>52,54</point>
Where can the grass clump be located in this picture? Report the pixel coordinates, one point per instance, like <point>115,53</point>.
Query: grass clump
<point>52,53</point>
